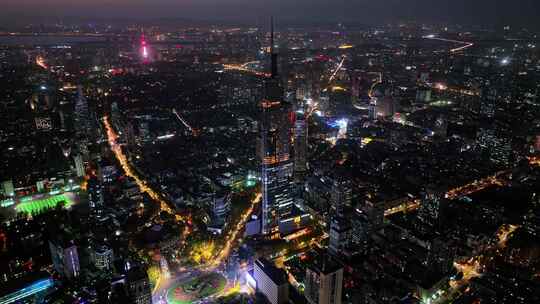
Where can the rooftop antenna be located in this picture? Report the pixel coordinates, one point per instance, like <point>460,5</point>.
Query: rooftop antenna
<point>272,35</point>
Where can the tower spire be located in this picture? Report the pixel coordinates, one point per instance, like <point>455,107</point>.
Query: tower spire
<point>273,55</point>
<point>272,34</point>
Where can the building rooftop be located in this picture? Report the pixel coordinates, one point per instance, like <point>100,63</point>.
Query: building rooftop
<point>277,275</point>
<point>325,263</point>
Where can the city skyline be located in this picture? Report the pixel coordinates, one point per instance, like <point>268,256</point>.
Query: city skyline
<point>331,159</point>
<point>484,13</point>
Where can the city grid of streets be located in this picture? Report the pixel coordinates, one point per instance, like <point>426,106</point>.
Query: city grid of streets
<point>232,237</point>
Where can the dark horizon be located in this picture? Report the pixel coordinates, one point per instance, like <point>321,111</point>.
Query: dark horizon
<point>485,13</point>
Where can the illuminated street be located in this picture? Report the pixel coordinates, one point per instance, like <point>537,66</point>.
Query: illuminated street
<point>499,179</point>
<point>244,68</point>
<point>474,266</point>
<point>126,166</point>
<point>233,236</point>
<point>336,71</point>
<point>454,50</point>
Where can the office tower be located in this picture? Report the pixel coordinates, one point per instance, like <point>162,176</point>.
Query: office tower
<point>43,123</point>
<point>372,109</point>
<point>423,77</point>
<point>340,205</point>
<point>164,267</point>
<point>95,196</point>
<point>271,281</point>
<point>130,134</point>
<point>324,280</point>
<point>501,151</point>
<point>82,123</point>
<point>284,66</point>
<point>138,286</point>
<point>221,204</point>
<point>340,235</point>
<point>430,209</point>
<point>144,131</point>
<point>62,120</point>
<point>82,114</point>
<point>324,102</point>
<point>356,79</point>
<point>440,126</point>
<point>341,195</point>
<point>488,102</point>
<point>300,143</point>
<point>42,101</point>
<point>385,102</point>
<point>360,230</point>
<point>79,165</point>
<point>64,256</point>
<point>497,146</point>
<point>536,144</point>
<point>360,85</point>
<point>301,90</point>
<point>102,257</point>
<point>374,214</point>
<point>8,188</point>
<point>274,151</point>
<point>423,94</point>
<point>313,81</point>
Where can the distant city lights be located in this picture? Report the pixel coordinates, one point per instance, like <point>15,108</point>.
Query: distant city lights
<point>345,46</point>
<point>342,123</point>
<point>505,61</point>
<point>441,86</point>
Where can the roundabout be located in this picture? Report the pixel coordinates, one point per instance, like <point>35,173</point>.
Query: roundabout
<point>195,289</point>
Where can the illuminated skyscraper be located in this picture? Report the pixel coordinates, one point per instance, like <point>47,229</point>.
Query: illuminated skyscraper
<point>274,139</point>
<point>430,209</point>
<point>300,142</point>
<point>83,125</point>
<point>82,114</point>
<point>138,284</point>
<point>79,165</point>
<point>102,257</point>
<point>423,94</point>
<point>340,235</point>
<point>64,256</point>
<point>8,188</point>
<point>488,102</point>
<point>95,196</point>
<point>341,196</point>
<point>495,144</point>
<point>324,281</point>
<point>384,99</point>
<point>271,281</point>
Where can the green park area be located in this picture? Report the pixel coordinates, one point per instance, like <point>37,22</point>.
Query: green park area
<point>195,289</point>
<point>37,206</point>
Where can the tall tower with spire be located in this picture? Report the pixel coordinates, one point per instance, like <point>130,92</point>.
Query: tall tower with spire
<point>144,50</point>
<point>274,142</point>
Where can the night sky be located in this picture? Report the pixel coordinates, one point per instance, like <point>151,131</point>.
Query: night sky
<point>478,12</point>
